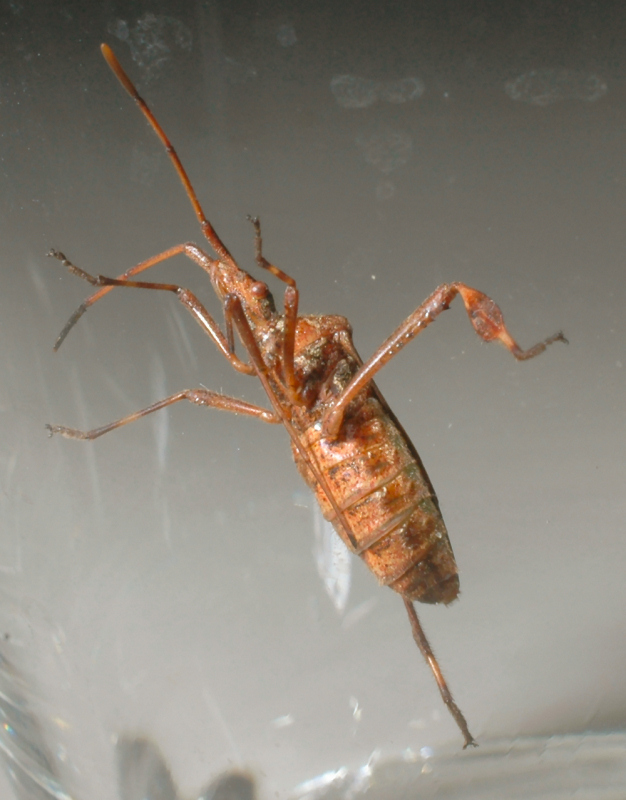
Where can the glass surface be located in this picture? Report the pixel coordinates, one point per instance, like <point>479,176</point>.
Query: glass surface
<point>533,768</point>
<point>168,594</point>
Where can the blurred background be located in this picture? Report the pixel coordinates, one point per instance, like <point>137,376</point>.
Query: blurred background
<point>172,580</point>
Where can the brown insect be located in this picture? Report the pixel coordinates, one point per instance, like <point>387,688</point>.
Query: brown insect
<point>347,444</point>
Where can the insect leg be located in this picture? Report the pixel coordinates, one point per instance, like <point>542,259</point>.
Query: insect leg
<point>484,315</point>
<point>188,249</point>
<point>290,313</point>
<point>429,657</point>
<point>187,298</point>
<point>201,397</point>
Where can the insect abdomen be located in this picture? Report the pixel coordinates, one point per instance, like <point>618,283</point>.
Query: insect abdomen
<point>384,497</point>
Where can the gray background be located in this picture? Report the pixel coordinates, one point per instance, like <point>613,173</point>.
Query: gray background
<point>161,581</point>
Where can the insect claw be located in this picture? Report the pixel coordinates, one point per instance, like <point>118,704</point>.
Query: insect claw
<point>74,269</point>
<point>52,253</point>
<point>52,429</point>
<point>524,355</point>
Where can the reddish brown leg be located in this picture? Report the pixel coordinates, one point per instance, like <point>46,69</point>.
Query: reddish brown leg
<point>429,657</point>
<point>202,397</point>
<point>234,313</point>
<point>188,249</point>
<point>187,298</point>
<point>484,315</point>
<point>290,313</point>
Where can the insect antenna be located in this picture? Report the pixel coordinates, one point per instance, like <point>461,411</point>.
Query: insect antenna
<point>207,229</point>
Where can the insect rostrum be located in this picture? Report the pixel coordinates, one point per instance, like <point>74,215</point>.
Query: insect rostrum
<point>347,444</point>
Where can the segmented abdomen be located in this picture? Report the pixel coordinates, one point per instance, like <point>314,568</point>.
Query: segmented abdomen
<point>382,494</point>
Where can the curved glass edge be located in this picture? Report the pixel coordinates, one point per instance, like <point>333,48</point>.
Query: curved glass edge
<point>589,765</point>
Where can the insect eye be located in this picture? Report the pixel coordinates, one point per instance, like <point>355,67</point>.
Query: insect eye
<point>259,289</point>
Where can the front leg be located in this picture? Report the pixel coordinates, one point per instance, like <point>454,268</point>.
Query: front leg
<point>291,299</point>
<point>484,315</point>
<point>187,298</point>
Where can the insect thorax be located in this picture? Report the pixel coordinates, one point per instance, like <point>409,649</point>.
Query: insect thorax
<point>325,360</point>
